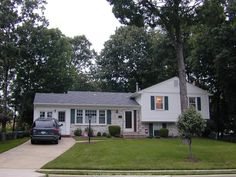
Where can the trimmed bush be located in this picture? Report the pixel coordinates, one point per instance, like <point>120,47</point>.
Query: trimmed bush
<point>78,132</point>
<point>91,131</point>
<point>164,132</point>
<point>104,134</point>
<point>99,134</point>
<point>114,130</point>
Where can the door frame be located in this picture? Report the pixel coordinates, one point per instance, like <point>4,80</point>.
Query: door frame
<point>132,121</point>
<point>63,127</point>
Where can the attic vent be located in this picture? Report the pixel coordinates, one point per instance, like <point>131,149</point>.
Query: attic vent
<point>176,83</point>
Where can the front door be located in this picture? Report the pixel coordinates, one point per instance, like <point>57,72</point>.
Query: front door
<point>62,121</point>
<point>129,123</point>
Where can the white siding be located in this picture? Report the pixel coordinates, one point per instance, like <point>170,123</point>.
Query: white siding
<point>169,88</point>
<point>55,110</point>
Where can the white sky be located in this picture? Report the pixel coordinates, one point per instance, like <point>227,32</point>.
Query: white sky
<point>92,18</point>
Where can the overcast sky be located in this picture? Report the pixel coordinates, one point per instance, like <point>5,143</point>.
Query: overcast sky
<point>92,18</point>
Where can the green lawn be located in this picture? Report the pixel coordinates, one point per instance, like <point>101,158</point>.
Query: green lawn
<point>147,154</point>
<point>9,144</point>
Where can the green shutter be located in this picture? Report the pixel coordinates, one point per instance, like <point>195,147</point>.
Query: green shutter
<point>166,103</point>
<point>108,116</point>
<point>150,129</point>
<point>135,120</point>
<point>72,116</point>
<point>199,103</point>
<point>152,103</point>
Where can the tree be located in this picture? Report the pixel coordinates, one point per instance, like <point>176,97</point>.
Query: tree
<point>133,55</point>
<point>14,13</point>
<point>212,60</point>
<point>174,16</point>
<point>82,63</point>
<point>44,66</point>
<point>190,123</point>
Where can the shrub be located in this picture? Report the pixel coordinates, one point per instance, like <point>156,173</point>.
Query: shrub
<point>108,136</point>
<point>114,130</point>
<point>91,131</point>
<point>104,134</point>
<point>99,134</point>
<point>164,132</point>
<point>78,132</point>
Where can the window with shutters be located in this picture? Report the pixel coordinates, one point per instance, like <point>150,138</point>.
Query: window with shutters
<point>98,117</point>
<point>159,102</point>
<point>194,102</point>
<point>79,116</point>
<point>102,116</point>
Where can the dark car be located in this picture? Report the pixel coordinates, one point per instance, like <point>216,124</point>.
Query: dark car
<point>45,129</point>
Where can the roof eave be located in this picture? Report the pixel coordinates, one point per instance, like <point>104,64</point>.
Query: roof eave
<point>87,105</point>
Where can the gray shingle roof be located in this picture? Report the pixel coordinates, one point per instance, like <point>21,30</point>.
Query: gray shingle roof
<point>86,98</point>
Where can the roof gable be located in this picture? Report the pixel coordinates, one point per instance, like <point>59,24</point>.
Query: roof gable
<point>171,86</point>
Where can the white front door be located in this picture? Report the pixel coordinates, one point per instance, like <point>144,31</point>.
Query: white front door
<point>128,122</point>
<point>62,121</point>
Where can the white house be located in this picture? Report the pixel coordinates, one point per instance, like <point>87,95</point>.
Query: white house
<point>141,113</point>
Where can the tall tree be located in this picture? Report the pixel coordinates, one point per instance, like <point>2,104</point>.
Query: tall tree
<point>44,66</point>
<point>212,59</point>
<point>13,14</point>
<point>174,16</point>
<point>83,58</point>
<point>133,55</point>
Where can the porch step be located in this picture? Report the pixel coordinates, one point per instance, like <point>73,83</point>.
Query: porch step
<point>133,135</point>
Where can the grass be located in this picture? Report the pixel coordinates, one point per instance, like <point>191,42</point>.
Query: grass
<point>146,154</point>
<point>9,144</point>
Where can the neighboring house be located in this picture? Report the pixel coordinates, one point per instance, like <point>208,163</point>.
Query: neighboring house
<point>138,114</point>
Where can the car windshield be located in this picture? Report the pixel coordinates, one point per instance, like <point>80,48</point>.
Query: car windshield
<point>44,124</point>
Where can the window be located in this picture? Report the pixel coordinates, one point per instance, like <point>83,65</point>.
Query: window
<point>164,125</point>
<point>91,114</point>
<point>49,114</point>
<point>61,116</point>
<point>159,102</point>
<point>102,117</point>
<point>192,102</point>
<point>42,114</point>
<point>79,117</point>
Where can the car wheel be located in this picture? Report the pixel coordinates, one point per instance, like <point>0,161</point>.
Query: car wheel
<point>32,141</point>
<point>60,137</point>
<point>56,141</point>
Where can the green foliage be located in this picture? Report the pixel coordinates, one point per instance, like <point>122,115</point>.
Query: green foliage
<point>104,134</point>
<point>164,132</point>
<point>78,132</point>
<point>190,123</point>
<point>99,134</point>
<point>114,130</point>
<point>148,55</point>
<point>90,133</point>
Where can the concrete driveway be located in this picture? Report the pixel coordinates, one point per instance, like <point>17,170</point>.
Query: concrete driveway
<point>32,157</point>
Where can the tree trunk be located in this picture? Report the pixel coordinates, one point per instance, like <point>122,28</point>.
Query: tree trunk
<point>190,148</point>
<point>182,76</point>
<point>5,94</point>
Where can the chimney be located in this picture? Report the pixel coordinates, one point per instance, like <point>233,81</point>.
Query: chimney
<point>137,89</point>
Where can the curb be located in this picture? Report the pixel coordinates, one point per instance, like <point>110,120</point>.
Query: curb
<point>137,172</point>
